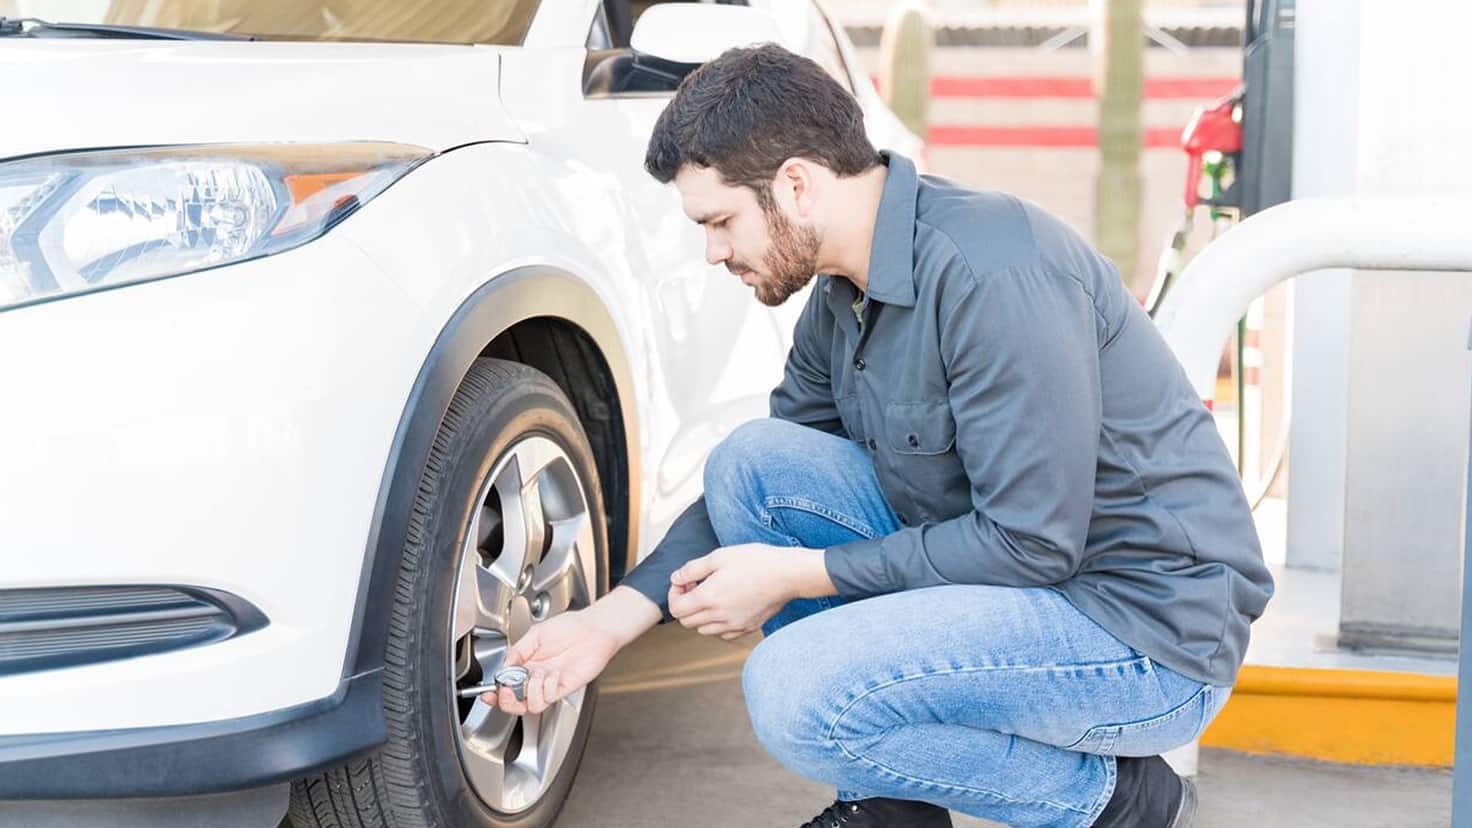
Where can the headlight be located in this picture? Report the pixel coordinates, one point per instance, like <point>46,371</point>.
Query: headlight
<point>80,222</point>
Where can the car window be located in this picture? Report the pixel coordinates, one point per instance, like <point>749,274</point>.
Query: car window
<point>612,69</point>
<point>429,21</point>
<point>600,36</point>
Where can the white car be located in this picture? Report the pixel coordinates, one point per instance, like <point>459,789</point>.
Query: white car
<point>333,358</point>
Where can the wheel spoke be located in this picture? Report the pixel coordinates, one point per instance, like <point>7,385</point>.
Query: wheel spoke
<point>555,728</point>
<point>560,576</point>
<point>489,652</point>
<point>523,525</point>
<point>534,456</point>
<point>486,733</point>
<point>481,599</point>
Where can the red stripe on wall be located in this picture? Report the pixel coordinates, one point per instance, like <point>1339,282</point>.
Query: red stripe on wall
<point>1021,87</point>
<point>1039,136</point>
<point>1204,89</point>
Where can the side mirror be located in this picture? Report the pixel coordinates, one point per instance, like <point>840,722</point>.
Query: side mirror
<point>694,33</point>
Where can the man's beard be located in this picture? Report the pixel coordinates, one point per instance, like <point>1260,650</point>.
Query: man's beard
<point>791,260</point>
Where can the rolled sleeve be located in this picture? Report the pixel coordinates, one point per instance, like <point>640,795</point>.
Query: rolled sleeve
<point>1021,351</point>
<point>689,537</point>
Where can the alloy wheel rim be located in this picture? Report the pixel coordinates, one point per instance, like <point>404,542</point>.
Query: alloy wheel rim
<point>528,554</point>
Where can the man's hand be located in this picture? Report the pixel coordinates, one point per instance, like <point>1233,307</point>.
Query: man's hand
<point>566,652</point>
<point>735,589</point>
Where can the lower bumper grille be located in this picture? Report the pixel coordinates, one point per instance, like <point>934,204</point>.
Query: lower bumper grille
<point>49,628</point>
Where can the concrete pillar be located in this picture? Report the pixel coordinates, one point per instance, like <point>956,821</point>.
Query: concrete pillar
<point>1409,385</point>
<point>1325,94</point>
<point>1117,39</point>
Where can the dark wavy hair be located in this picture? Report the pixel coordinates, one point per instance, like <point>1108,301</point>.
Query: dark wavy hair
<point>749,110</point>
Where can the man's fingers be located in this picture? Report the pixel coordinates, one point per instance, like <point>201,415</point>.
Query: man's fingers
<point>506,700</point>
<point>693,571</point>
<point>715,628</point>
<point>699,619</point>
<point>733,635</point>
<point>549,689</point>
<point>535,683</point>
<point>684,604</point>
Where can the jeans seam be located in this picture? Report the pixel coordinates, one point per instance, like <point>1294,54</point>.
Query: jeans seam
<point>833,726</point>
<point>805,505</point>
<point>951,786</point>
<point>1111,779</point>
<point>1020,668</point>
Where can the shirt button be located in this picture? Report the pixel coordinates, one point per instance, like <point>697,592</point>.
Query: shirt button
<point>872,444</point>
<point>914,440</point>
<point>859,364</point>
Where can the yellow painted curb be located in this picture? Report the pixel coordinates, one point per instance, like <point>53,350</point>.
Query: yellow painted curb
<point>1352,716</point>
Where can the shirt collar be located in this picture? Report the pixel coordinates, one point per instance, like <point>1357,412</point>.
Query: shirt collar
<point>892,253</point>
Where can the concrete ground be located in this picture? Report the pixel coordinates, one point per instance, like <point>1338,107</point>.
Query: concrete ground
<point>671,746</point>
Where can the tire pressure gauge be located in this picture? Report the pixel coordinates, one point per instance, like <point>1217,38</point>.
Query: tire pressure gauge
<point>514,679</point>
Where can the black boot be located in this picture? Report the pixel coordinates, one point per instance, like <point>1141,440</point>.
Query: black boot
<point>881,813</point>
<point>1148,794</point>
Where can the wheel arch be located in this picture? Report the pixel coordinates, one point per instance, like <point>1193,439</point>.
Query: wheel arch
<point>544,317</point>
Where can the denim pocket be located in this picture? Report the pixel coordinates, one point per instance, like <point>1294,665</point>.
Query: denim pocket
<point>1154,735</point>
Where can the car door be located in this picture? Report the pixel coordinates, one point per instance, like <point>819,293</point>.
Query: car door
<point>717,351</point>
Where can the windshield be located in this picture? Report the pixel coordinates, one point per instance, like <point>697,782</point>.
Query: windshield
<point>503,22</point>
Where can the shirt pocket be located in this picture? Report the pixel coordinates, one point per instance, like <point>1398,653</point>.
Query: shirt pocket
<point>919,428</point>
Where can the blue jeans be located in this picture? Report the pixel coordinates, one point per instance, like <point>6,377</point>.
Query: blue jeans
<point>999,702</point>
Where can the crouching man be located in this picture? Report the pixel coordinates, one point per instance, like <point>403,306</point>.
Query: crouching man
<point>998,549</point>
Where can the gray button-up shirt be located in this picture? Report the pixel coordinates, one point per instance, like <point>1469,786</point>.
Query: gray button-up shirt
<point>1029,426</point>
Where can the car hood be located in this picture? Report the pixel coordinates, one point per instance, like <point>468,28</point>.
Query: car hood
<point>66,94</point>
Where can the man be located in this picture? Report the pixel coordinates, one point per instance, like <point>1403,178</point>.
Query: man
<point>996,544</point>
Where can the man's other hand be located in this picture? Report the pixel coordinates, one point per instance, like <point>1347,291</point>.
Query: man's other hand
<point>732,591</point>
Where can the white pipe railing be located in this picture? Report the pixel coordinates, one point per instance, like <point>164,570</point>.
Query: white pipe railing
<point>1201,310</point>
<point>1199,313</point>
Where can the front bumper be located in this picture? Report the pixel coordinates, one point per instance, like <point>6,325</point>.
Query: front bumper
<point>203,758</point>
<point>225,430</point>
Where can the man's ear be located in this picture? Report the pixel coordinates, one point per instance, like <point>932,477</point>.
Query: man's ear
<point>796,184</point>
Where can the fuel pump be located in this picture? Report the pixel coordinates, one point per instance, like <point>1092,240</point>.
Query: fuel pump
<point>1239,153</point>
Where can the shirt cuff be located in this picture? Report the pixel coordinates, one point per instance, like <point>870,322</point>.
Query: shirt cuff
<point>858,569</point>
<point>652,584</point>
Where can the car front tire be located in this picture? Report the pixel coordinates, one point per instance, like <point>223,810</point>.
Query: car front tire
<point>507,530</point>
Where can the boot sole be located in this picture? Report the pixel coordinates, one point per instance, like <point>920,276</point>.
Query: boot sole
<point>1186,813</point>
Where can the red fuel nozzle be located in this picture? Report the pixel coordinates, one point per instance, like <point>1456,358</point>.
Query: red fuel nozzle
<point>1214,129</point>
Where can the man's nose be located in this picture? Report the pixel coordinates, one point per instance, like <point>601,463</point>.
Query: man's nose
<point>716,251</point>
